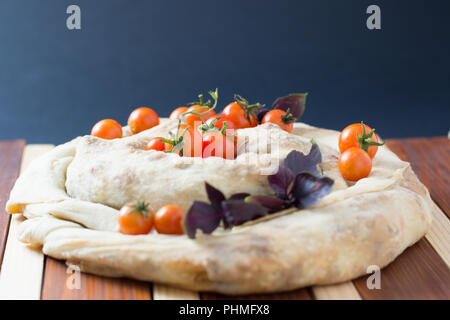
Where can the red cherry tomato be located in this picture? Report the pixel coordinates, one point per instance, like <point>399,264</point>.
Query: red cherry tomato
<point>280,118</point>
<point>169,220</point>
<point>175,115</point>
<point>156,144</point>
<point>348,138</point>
<point>107,129</point>
<point>195,120</point>
<point>236,114</point>
<point>142,119</point>
<point>354,164</point>
<point>219,123</point>
<point>135,219</point>
<point>215,144</point>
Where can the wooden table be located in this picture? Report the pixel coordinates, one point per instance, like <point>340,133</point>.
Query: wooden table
<point>421,272</point>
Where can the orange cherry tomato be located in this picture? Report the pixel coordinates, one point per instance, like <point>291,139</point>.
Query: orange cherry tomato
<point>215,144</point>
<point>135,219</point>
<point>175,115</point>
<point>280,118</point>
<point>192,141</point>
<point>156,144</point>
<point>169,220</point>
<point>107,129</point>
<point>142,119</point>
<point>236,114</point>
<point>348,138</point>
<point>354,164</point>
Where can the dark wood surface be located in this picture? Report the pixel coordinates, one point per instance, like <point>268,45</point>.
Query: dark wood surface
<point>92,287</point>
<point>10,157</point>
<point>300,294</point>
<point>419,273</point>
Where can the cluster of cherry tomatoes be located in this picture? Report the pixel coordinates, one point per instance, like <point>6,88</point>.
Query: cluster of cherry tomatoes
<point>200,132</point>
<point>358,145</point>
<point>137,218</point>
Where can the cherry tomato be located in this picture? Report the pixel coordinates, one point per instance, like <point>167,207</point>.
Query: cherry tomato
<point>107,129</point>
<point>279,117</point>
<point>219,123</point>
<point>231,128</point>
<point>142,119</point>
<point>354,164</point>
<point>135,219</point>
<point>169,220</point>
<point>200,109</point>
<point>175,115</point>
<point>348,138</point>
<point>236,114</point>
<point>215,144</point>
<point>192,141</point>
<point>156,144</point>
<point>194,120</point>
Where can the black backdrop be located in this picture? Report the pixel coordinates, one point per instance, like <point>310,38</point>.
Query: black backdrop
<point>56,83</point>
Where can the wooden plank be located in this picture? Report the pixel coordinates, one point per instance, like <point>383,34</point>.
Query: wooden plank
<point>10,157</point>
<point>21,275</point>
<point>341,291</point>
<point>300,294</point>
<point>164,292</point>
<point>439,234</point>
<point>418,273</point>
<point>61,283</point>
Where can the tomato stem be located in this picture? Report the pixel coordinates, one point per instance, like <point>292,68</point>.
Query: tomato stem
<point>366,139</point>
<point>203,105</point>
<point>140,206</point>
<point>177,140</point>
<point>250,109</point>
<point>288,117</point>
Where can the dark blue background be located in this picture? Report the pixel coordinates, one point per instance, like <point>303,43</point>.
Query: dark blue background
<point>56,83</point>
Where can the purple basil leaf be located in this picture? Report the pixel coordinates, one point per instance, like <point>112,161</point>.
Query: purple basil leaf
<point>295,102</point>
<point>239,196</point>
<point>270,202</point>
<point>237,212</point>
<point>281,180</point>
<point>260,113</point>
<point>309,189</point>
<point>215,196</point>
<point>298,162</point>
<point>203,216</point>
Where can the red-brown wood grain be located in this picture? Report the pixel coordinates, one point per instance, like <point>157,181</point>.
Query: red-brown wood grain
<point>301,294</point>
<point>10,158</point>
<point>91,287</point>
<point>418,273</point>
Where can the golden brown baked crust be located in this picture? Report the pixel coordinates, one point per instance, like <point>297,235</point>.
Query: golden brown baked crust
<point>70,201</point>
